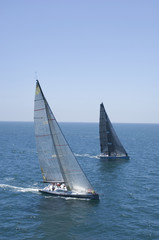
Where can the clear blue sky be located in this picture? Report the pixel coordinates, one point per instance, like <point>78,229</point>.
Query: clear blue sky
<point>85,52</point>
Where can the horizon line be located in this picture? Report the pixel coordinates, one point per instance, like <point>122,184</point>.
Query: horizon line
<point>80,122</point>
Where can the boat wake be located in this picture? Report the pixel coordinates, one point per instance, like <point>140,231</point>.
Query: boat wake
<point>81,199</point>
<point>69,198</point>
<point>18,189</point>
<point>86,155</point>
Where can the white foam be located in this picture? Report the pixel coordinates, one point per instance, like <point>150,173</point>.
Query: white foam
<point>8,179</point>
<point>19,189</point>
<point>81,199</point>
<point>86,155</point>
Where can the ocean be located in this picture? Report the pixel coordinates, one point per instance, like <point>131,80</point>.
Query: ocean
<point>129,189</point>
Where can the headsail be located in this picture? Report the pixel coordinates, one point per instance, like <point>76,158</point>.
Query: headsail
<point>109,142</point>
<point>57,161</point>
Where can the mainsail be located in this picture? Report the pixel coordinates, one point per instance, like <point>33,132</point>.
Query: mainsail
<point>58,163</point>
<point>109,142</point>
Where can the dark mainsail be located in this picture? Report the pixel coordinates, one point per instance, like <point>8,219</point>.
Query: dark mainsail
<point>110,144</point>
<point>57,162</point>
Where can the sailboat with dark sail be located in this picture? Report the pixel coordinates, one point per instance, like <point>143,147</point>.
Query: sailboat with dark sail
<point>110,145</point>
<point>58,164</point>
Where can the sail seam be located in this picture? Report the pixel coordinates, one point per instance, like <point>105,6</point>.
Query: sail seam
<point>38,100</point>
<point>43,135</point>
<point>39,109</point>
<point>62,145</point>
<point>72,171</point>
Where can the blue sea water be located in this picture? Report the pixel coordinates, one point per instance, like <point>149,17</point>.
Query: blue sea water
<point>129,191</point>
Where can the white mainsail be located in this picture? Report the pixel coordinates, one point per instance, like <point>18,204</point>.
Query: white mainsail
<point>58,163</point>
<point>46,152</point>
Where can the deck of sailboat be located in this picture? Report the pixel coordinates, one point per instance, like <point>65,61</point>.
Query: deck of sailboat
<point>69,194</point>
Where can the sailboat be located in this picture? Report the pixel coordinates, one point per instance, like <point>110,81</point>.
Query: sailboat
<point>110,145</point>
<point>59,167</point>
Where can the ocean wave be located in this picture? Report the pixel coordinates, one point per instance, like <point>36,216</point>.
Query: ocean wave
<point>8,179</point>
<point>86,155</point>
<point>19,189</point>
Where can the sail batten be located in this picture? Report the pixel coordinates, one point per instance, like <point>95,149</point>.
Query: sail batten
<point>39,109</point>
<point>110,144</point>
<point>56,158</point>
<point>43,135</point>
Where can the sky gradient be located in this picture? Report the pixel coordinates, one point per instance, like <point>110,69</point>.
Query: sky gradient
<point>84,52</point>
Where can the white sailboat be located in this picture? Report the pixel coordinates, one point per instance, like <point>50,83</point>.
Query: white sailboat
<point>110,145</point>
<point>58,164</point>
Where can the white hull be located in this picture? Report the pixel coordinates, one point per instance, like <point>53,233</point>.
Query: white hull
<point>70,194</point>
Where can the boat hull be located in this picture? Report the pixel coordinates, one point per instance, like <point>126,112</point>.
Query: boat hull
<point>71,194</point>
<point>113,157</point>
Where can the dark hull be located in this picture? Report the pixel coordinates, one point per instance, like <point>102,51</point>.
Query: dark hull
<point>71,195</point>
<point>113,157</point>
